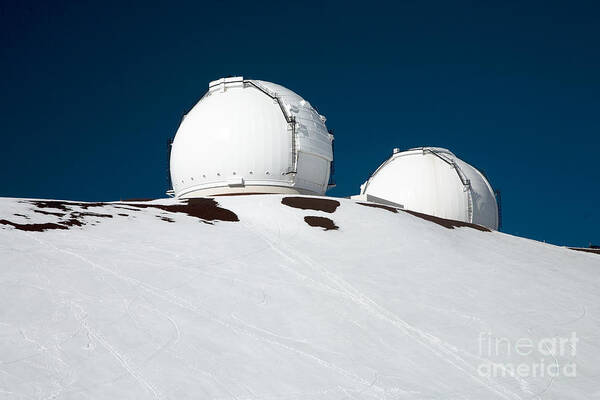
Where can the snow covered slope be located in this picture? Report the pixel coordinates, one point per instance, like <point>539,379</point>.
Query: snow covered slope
<point>279,297</point>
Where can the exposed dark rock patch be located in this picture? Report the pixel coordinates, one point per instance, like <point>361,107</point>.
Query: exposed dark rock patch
<point>322,222</point>
<point>124,215</point>
<point>586,249</point>
<point>127,208</point>
<point>22,215</point>
<point>57,214</point>
<point>33,227</point>
<point>374,205</point>
<point>62,205</point>
<point>203,208</point>
<point>448,223</point>
<point>85,206</point>
<point>78,214</point>
<point>73,222</point>
<point>58,205</point>
<point>65,223</point>
<point>311,203</point>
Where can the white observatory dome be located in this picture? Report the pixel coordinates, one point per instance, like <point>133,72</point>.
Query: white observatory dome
<point>249,136</point>
<point>434,181</point>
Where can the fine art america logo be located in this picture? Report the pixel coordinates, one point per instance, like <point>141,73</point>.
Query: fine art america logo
<point>546,357</point>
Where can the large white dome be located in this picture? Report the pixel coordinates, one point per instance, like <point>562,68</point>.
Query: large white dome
<point>434,181</point>
<point>248,136</point>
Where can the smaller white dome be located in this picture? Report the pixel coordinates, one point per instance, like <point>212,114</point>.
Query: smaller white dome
<point>434,181</point>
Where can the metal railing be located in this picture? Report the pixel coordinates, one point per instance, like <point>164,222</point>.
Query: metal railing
<point>290,119</point>
<point>465,181</point>
<point>498,196</point>
<point>331,182</point>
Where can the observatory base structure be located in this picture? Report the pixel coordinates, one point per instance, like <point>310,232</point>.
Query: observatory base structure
<point>244,189</point>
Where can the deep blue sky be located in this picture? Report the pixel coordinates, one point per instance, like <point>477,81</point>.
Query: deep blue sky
<point>90,92</point>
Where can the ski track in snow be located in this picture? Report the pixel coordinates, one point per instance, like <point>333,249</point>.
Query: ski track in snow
<point>431,342</point>
<point>122,359</point>
<point>96,335</point>
<point>173,299</point>
<point>162,313</point>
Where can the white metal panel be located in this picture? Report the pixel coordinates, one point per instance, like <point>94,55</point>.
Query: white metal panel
<point>485,207</point>
<point>312,134</point>
<point>237,132</point>
<point>311,176</point>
